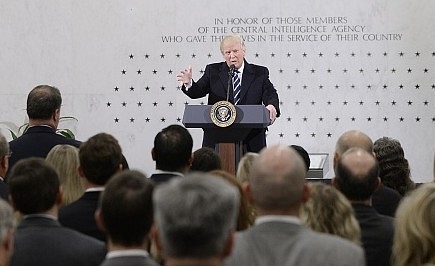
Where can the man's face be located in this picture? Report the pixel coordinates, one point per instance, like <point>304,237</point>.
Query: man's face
<point>233,53</point>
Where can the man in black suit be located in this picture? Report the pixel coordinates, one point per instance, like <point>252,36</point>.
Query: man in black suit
<point>40,239</point>
<point>4,166</point>
<point>7,232</point>
<point>357,177</point>
<point>43,109</point>
<point>100,158</point>
<point>255,89</point>
<point>172,153</point>
<point>126,214</point>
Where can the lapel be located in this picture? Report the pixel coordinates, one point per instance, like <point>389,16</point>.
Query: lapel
<point>247,79</point>
<point>223,74</point>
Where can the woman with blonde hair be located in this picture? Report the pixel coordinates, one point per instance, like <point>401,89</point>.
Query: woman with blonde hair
<point>414,234</point>
<point>65,159</point>
<point>329,211</point>
<point>244,167</point>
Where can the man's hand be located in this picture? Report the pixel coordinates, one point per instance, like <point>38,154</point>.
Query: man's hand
<point>272,113</point>
<point>185,76</point>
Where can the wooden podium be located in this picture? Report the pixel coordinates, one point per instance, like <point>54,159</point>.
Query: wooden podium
<point>229,139</point>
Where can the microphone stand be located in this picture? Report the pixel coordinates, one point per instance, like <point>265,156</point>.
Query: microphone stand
<point>230,83</point>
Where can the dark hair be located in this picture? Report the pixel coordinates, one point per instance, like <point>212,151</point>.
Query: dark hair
<point>43,101</point>
<point>172,148</point>
<point>126,207</point>
<point>100,157</point>
<point>304,154</point>
<point>34,185</point>
<point>356,186</point>
<point>206,159</point>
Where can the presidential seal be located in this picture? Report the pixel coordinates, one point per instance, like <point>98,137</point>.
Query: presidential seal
<point>223,113</point>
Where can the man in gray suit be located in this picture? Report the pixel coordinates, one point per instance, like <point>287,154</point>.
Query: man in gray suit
<point>125,212</point>
<point>40,239</point>
<point>277,189</point>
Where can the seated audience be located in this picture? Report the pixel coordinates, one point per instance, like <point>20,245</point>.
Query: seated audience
<point>195,219</point>
<point>277,189</point>
<point>205,159</point>
<point>4,166</point>
<point>245,217</point>
<point>357,177</point>
<point>244,167</point>
<point>304,154</point>
<point>414,237</point>
<point>394,168</point>
<point>172,153</point>
<point>65,159</point>
<point>43,109</point>
<point>125,212</point>
<point>40,239</point>
<point>329,211</point>
<point>7,231</point>
<point>100,158</point>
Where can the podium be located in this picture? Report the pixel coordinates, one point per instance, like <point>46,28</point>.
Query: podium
<point>229,139</point>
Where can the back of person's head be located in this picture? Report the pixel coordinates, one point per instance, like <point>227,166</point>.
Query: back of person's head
<point>244,167</point>
<point>277,181</point>
<point>205,159</point>
<point>65,159</point>
<point>394,167</point>
<point>100,157</point>
<point>357,174</point>
<point>7,228</point>
<point>353,139</point>
<point>195,216</point>
<point>414,241</point>
<point>304,154</point>
<point>328,211</point>
<point>126,208</point>
<point>4,154</point>
<point>42,102</point>
<point>34,186</point>
<point>245,217</point>
<point>172,148</point>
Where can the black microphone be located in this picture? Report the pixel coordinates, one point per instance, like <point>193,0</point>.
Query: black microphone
<point>232,70</point>
<point>230,83</point>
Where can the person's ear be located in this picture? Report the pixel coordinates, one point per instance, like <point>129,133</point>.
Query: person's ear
<point>99,220</point>
<point>306,193</point>
<point>81,172</point>
<point>153,154</point>
<point>246,187</point>
<point>229,244</point>
<point>154,235</point>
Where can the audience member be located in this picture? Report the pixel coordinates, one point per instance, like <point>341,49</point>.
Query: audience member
<point>277,189</point>
<point>244,167</point>
<point>172,153</point>
<point>394,167</point>
<point>205,159</point>
<point>357,177</point>
<point>65,159</point>
<point>100,158</point>
<point>245,218</point>
<point>414,237</point>
<point>40,239</point>
<point>304,154</point>
<point>329,211</point>
<point>195,219</point>
<point>43,109</point>
<point>7,229</point>
<point>4,165</point>
<point>125,212</point>
<point>385,200</point>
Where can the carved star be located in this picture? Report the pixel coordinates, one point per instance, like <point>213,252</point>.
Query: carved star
<point>289,54</point>
<point>320,54</point>
<point>162,56</point>
<point>132,88</point>
<point>393,102</point>
<point>417,119</point>
<point>345,70</point>
<point>124,104</point>
<point>409,70</point>
<point>352,54</point>
<point>147,56</point>
<point>320,86</point>
<point>329,134</point>
<point>162,88</point>
<point>336,86</point>
<point>297,103</point>
<point>401,119</point>
<point>209,55</point>
<point>139,104</point>
<point>337,119</point>
<point>116,119</point>
<point>147,119</point>
<point>337,54</point>
<point>417,86</point>
<point>257,55</point>
<point>313,135</point>
<point>123,72</point>
<point>305,119</point>
<point>345,103</point>
<point>320,119</point>
<point>139,72</point>
<point>170,103</point>
<point>297,135</point>
<point>132,120</point>
<point>178,119</point>
<point>281,135</point>
<point>154,71</point>
<point>155,104</point>
<point>109,104</point>
<point>361,70</point>
<point>369,119</point>
<point>280,71</point>
<point>296,71</point>
<point>401,54</point>
<point>393,70</point>
<point>425,70</point>
<point>178,55</point>
<point>377,70</point>
<point>369,54</point>
<point>147,88</point>
<point>361,103</point>
<point>170,71</point>
<point>193,56</point>
<point>385,118</point>
<point>163,119</point>
<point>426,103</point>
<point>385,86</point>
<point>116,88</point>
<point>385,54</point>
<point>400,86</point>
<point>304,55</point>
<point>329,102</point>
<point>409,102</point>
<point>417,54</point>
<point>289,87</point>
<point>289,119</point>
<point>313,102</point>
<point>353,119</point>
<point>312,71</point>
<point>131,56</point>
<point>377,102</point>
<point>272,55</point>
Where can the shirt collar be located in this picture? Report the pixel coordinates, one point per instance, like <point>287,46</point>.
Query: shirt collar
<point>158,171</point>
<point>128,252</point>
<point>277,218</point>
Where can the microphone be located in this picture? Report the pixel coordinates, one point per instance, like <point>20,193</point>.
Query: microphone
<point>230,83</point>
<point>232,70</point>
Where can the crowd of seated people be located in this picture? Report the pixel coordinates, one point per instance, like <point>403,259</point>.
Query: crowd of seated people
<point>83,206</point>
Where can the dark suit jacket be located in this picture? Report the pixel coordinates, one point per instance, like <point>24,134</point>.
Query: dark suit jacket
<point>386,200</point>
<point>286,244</point>
<point>37,141</point>
<point>41,241</point>
<point>4,191</point>
<point>256,89</point>
<point>160,178</point>
<point>79,215</point>
<point>376,234</point>
<point>130,261</point>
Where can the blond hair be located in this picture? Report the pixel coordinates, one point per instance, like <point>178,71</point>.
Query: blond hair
<point>65,160</point>
<point>244,167</point>
<point>414,234</point>
<point>230,39</point>
<point>329,211</point>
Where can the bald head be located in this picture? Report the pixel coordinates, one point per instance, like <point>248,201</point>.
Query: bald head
<point>277,181</point>
<point>357,174</point>
<point>352,139</point>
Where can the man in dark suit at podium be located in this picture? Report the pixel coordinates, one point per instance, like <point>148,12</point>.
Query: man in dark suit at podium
<point>255,87</point>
